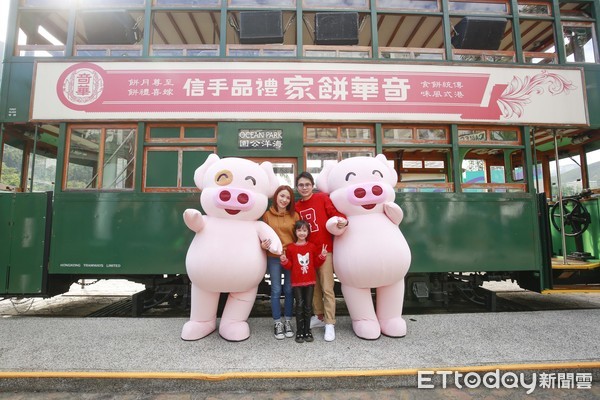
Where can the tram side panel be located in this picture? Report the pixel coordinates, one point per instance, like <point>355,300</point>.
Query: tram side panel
<point>124,234</point>
<point>474,232</point>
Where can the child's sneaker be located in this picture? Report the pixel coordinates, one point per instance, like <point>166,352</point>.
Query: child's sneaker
<point>299,338</point>
<point>287,326</point>
<point>308,337</point>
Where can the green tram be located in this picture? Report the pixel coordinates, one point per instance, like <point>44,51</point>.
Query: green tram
<point>98,160</point>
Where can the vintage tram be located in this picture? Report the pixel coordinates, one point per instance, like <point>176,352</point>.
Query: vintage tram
<point>487,109</point>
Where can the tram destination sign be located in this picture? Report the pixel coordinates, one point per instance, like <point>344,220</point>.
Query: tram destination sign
<point>294,91</point>
<point>260,139</point>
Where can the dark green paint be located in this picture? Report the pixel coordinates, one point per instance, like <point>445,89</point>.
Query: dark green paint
<point>22,239</point>
<point>470,232</point>
<point>590,238</point>
<point>126,233</point>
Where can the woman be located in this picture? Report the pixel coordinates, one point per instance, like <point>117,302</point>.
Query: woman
<point>281,216</point>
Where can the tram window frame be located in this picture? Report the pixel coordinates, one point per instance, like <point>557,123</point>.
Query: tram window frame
<point>338,138</point>
<point>478,154</point>
<point>100,166</point>
<point>181,174</point>
<point>340,154</point>
<point>488,133</point>
<point>181,138</point>
<point>409,5</point>
<point>473,7</point>
<point>291,181</point>
<point>415,135</point>
<point>535,6</point>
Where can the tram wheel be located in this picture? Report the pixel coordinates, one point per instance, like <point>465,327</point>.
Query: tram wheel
<point>577,218</point>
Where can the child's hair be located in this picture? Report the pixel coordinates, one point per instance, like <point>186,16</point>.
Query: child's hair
<point>290,207</point>
<point>299,224</point>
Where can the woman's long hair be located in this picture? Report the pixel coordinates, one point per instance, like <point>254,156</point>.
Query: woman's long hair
<point>291,208</point>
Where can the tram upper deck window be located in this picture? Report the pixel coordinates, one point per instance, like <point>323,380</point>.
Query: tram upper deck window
<point>262,3</point>
<point>406,36</point>
<point>185,33</point>
<point>335,3</point>
<point>488,7</point>
<point>115,33</point>
<point>428,5</point>
<point>42,33</point>
<point>100,158</point>
<point>579,32</point>
<point>195,3</point>
<point>536,26</point>
<point>112,3</point>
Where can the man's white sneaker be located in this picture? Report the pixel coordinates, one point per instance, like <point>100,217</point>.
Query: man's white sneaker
<point>329,333</point>
<point>315,322</point>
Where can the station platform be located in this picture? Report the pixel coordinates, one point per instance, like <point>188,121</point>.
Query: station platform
<point>66,354</point>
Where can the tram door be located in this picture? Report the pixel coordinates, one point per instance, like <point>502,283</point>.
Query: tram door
<point>24,249</point>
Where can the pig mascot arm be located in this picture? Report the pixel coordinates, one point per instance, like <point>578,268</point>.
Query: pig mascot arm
<point>337,224</point>
<point>193,219</point>
<point>265,232</point>
<point>393,212</point>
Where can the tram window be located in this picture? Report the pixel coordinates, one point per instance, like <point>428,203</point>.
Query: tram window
<point>335,3</point>
<point>402,42</point>
<point>428,5</point>
<point>593,168</point>
<point>12,165</point>
<point>332,134</point>
<point>262,3</point>
<point>393,135</point>
<point>570,176</point>
<point>185,32</point>
<point>487,170</point>
<point>422,169</point>
<point>484,135</point>
<point>580,45</point>
<point>172,3</point>
<point>42,33</point>
<point>100,158</point>
<point>43,173</point>
<point>171,169</point>
<point>534,8</point>
<point>479,6</point>
<point>316,158</point>
<point>170,133</point>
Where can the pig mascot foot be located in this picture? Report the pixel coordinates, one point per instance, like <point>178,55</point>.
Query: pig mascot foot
<point>394,327</point>
<point>194,330</point>
<point>366,329</point>
<point>234,331</point>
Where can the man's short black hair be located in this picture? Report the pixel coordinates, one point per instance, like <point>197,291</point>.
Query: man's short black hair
<point>306,175</point>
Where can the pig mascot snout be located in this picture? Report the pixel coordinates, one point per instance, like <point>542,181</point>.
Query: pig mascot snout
<point>371,252</point>
<point>225,255</point>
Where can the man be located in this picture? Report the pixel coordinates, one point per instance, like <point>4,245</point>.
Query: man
<point>316,209</point>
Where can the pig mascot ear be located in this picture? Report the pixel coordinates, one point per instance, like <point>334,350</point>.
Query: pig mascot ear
<point>381,158</point>
<point>323,178</point>
<point>273,181</point>
<point>201,170</point>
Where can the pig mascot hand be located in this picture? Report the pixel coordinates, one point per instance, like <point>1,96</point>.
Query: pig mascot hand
<point>225,255</point>
<point>371,252</point>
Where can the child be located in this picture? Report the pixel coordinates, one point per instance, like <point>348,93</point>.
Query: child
<point>303,258</point>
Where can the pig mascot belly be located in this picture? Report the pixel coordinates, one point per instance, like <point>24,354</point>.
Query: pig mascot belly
<point>371,251</point>
<point>225,255</point>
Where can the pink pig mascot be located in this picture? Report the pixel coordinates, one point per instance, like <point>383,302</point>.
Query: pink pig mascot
<point>225,255</point>
<point>371,252</point>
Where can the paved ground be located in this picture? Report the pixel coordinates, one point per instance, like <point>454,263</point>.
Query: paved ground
<point>48,352</point>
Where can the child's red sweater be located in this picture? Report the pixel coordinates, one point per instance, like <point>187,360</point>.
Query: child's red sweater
<point>303,260</point>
